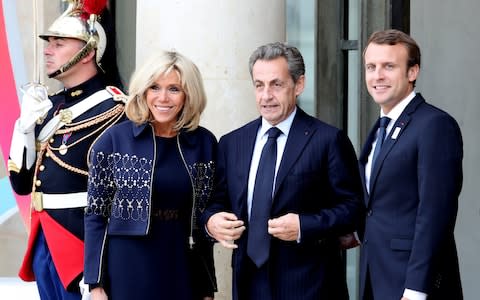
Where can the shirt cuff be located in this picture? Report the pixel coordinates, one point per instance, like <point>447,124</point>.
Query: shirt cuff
<point>206,230</point>
<point>414,295</point>
<point>299,237</point>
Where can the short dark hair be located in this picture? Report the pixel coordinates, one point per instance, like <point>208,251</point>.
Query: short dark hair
<point>296,65</point>
<point>394,37</point>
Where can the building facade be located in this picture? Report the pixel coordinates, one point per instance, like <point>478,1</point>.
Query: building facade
<point>220,35</point>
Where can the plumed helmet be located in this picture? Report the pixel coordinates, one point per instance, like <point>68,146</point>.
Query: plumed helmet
<point>80,21</point>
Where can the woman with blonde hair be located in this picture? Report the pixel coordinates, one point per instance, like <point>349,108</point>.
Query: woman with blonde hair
<point>150,178</point>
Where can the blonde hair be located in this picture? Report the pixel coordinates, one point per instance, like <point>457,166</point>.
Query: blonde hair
<point>159,64</point>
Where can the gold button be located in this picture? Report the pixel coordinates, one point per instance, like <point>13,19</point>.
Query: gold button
<point>41,168</point>
<point>47,154</point>
<point>52,140</point>
<point>38,183</point>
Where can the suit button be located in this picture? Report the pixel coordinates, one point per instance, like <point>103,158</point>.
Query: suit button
<point>369,212</point>
<point>365,241</point>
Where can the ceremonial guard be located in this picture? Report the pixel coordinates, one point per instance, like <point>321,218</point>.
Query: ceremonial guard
<point>50,145</point>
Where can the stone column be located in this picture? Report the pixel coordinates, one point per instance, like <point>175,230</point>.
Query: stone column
<point>219,37</point>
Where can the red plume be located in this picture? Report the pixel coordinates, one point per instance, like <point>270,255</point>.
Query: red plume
<point>94,6</point>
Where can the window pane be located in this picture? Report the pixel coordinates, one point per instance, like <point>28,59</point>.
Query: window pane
<point>301,34</point>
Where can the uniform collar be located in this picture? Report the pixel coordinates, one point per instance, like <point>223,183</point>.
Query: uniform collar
<point>84,89</point>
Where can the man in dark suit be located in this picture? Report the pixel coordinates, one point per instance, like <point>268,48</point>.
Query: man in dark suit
<point>291,250</point>
<point>411,186</point>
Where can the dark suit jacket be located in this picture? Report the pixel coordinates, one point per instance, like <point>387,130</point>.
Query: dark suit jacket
<point>317,179</point>
<point>408,239</point>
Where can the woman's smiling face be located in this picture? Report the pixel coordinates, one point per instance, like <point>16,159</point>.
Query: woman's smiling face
<point>165,99</point>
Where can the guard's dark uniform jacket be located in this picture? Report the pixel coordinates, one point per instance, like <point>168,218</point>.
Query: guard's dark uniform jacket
<point>127,144</point>
<point>60,176</point>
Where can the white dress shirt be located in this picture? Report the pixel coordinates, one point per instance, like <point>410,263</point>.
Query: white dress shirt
<point>261,140</point>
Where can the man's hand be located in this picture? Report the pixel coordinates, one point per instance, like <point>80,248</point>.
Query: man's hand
<point>225,228</point>
<point>286,227</point>
<point>98,293</point>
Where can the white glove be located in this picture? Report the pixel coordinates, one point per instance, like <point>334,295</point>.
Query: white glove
<point>35,104</point>
<point>22,142</point>
<point>84,290</point>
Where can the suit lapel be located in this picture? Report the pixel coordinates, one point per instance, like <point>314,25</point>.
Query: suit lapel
<point>363,158</point>
<point>245,145</point>
<point>393,137</point>
<point>389,142</point>
<point>299,135</point>
<point>368,145</point>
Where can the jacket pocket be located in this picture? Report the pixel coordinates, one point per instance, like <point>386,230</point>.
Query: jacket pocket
<point>401,244</point>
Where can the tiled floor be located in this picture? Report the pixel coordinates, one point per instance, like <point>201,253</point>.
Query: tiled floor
<point>15,289</point>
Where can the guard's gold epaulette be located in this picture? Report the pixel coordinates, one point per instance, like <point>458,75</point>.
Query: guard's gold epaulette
<point>117,94</point>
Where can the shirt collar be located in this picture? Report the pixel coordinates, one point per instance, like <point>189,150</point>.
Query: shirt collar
<point>284,126</point>
<point>396,111</point>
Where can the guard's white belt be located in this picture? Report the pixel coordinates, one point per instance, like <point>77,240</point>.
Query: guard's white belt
<point>58,201</point>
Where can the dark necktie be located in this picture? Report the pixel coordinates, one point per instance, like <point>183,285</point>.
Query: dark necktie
<point>380,138</point>
<point>258,245</point>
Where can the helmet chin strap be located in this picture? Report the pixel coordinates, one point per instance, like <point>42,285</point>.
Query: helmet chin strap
<point>89,46</point>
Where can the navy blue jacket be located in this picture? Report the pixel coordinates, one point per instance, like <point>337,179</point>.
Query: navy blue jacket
<point>128,146</point>
<point>317,179</point>
<point>408,236</point>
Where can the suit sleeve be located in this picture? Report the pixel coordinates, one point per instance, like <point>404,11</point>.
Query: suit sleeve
<point>343,191</point>
<point>101,189</point>
<point>439,167</point>
<point>219,202</point>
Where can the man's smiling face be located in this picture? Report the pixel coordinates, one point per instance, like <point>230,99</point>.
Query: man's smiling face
<point>387,78</point>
